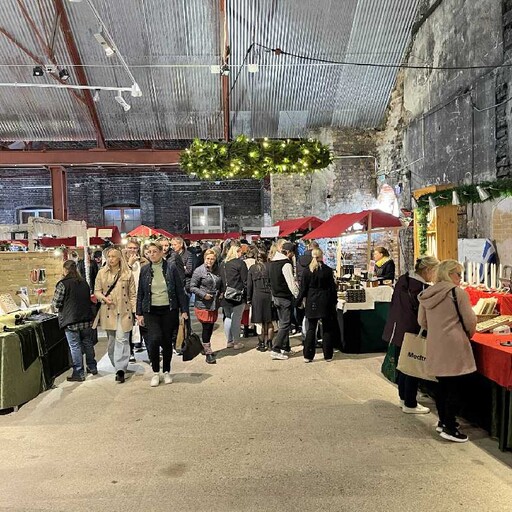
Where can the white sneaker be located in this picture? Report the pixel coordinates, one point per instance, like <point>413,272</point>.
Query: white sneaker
<point>155,380</point>
<point>278,355</point>
<point>238,346</point>
<point>419,409</point>
<point>167,378</point>
<point>308,360</point>
<point>401,403</point>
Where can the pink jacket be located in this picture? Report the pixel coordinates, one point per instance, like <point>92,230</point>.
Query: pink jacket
<point>449,351</point>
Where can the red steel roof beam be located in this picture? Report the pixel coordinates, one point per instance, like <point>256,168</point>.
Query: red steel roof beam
<point>225,78</point>
<point>79,70</point>
<point>59,192</point>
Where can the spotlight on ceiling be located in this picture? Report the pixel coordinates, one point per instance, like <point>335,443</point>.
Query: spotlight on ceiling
<point>64,74</point>
<point>253,68</point>
<point>96,96</point>
<point>136,92</point>
<point>109,51</point>
<point>122,102</point>
<point>38,71</point>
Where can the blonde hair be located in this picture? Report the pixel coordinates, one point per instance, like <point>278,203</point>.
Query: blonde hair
<point>425,263</point>
<point>210,252</point>
<point>232,253</point>
<point>315,253</point>
<point>445,268</point>
<point>280,243</point>
<point>122,262</point>
<point>272,251</point>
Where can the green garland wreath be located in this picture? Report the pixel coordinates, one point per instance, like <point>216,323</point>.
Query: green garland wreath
<point>249,158</point>
<point>467,194</point>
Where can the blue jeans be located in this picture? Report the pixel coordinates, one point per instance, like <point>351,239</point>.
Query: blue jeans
<point>81,342</point>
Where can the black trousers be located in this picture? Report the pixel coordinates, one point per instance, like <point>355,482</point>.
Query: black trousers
<point>407,385</point>
<point>160,324</point>
<point>448,399</point>
<point>327,337</point>
<point>207,332</point>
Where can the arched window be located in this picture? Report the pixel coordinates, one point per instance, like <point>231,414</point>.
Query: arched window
<point>125,218</point>
<point>206,218</point>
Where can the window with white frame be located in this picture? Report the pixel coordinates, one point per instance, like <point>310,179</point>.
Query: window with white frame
<point>45,213</point>
<point>125,218</point>
<point>206,218</point>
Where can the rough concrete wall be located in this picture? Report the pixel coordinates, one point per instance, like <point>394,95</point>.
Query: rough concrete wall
<point>457,32</point>
<point>502,230</point>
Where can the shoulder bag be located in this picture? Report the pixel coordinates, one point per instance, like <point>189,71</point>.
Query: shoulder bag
<point>458,313</point>
<point>231,293</point>
<point>108,292</point>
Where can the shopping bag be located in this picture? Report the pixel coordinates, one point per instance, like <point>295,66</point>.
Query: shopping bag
<point>181,334</point>
<point>388,368</point>
<point>192,345</point>
<point>413,356</point>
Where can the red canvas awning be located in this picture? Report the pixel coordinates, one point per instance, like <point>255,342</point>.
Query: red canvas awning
<point>289,226</point>
<point>165,233</point>
<point>57,242</point>
<point>144,231</point>
<point>115,238</point>
<point>339,224</point>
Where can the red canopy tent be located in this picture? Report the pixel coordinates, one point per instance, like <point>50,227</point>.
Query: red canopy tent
<point>145,231</point>
<point>370,220</point>
<point>289,226</point>
<point>165,233</point>
<point>69,241</point>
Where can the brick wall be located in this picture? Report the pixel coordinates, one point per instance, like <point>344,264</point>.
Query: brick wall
<point>163,196</point>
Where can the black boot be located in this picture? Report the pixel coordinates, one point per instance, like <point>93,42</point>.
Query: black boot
<point>269,344</point>
<point>120,376</point>
<point>210,359</point>
<point>262,346</point>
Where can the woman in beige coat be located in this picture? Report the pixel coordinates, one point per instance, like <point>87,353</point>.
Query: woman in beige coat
<point>117,309</point>
<point>445,311</point>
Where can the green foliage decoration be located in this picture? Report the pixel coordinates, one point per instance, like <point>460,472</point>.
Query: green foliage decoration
<point>249,158</point>
<point>467,194</point>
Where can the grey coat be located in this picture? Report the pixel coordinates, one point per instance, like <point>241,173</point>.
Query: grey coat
<point>205,282</point>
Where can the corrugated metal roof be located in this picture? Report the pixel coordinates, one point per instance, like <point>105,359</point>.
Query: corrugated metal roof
<point>170,45</point>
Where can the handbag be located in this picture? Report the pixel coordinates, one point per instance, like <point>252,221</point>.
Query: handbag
<point>413,356</point>
<point>192,345</point>
<point>388,368</point>
<point>231,293</point>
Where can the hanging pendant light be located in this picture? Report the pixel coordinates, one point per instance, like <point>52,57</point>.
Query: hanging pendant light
<point>455,198</point>
<point>431,203</point>
<point>482,193</point>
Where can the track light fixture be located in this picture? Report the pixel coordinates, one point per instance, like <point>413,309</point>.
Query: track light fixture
<point>64,74</point>
<point>122,102</point>
<point>38,71</point>
<point>431,203</point>
<point>96,96</point>
<point>455,198</point>
<point>482,193</point>
<point>107,47</point>
<point>136,92</point>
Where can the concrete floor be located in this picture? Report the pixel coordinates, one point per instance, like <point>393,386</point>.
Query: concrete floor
<point>247,434</point>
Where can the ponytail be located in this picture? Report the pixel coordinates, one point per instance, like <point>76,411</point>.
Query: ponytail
<point>315,264</point>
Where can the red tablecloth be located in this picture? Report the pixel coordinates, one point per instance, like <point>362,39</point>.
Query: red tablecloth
<point>504,299</point>
<point>492,360</point>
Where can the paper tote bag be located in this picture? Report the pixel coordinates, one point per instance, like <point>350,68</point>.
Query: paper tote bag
<point>413,356</point>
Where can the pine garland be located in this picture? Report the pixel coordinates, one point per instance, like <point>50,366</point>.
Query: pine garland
<point>467,194</point>
<point>245,158</point>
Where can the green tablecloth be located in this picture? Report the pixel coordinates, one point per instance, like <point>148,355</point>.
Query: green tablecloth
<point>19,384</point>
<point>361,330</point>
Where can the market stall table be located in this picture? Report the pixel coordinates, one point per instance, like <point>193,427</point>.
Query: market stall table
<point>504,299</point>
<point>362,323</point>
<point>32,355</point>
<point>494,362</point>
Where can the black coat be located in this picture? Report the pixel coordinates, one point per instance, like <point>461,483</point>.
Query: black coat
<point>259,294</point>
<point>387,271</point>
<point>175,288</point>
<point>234,274</point>
<point>403,311</point>
<point>302,263</point>
<point>319,289</point>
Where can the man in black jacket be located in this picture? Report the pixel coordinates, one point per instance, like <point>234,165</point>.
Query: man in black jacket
<point>284,289</point>
<point>178,247</point>
<point>72,300</point>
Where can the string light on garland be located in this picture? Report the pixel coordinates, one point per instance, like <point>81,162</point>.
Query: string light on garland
<point>249,158</point>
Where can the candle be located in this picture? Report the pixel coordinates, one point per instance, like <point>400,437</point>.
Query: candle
<point>470,274</point>
<point>486,275</point>
<point>462,272</point>
<point>493,276</point>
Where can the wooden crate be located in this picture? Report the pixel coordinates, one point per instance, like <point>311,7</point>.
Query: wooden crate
<point>15,270</point>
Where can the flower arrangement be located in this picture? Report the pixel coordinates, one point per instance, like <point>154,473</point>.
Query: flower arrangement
<point>249,158</point>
